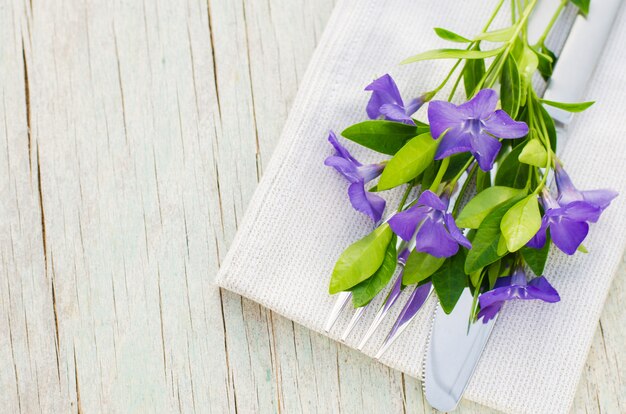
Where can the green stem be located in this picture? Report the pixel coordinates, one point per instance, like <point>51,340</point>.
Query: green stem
<point>493,15</point>
<point>546,141</point>
<point>409,187</point>
<point>458,62</point>
<point>498,63</point>
<point>442,170</point>
<point>456,85</point>
<point>555,16</point>
<point>447,78</point>
<point>460,173</point>
<point>464,188</point>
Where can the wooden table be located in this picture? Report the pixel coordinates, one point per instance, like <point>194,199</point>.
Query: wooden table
<point>133,134</point>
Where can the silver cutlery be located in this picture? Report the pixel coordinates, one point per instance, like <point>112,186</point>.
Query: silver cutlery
<point>453,350</point>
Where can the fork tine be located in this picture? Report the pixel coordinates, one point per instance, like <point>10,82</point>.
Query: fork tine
<point>342,300</point>
<point>393,296</point>
<point>414,304</point>
<point>344,297</point>
<point>355,318</point>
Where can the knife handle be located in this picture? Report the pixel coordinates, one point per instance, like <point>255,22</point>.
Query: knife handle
<point>582,49</point>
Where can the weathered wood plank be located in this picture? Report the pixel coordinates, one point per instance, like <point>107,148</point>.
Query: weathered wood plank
<point>133,136</point>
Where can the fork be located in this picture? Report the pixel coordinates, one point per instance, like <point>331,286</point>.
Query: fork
<point>418,297</point>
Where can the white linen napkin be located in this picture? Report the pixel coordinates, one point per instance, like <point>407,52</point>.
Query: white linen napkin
<point>300,220</point>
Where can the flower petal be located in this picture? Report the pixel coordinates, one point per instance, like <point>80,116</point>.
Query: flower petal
<point>365,202</point>
<point>490,312</point>
<point>394,112</point>
<point>373,106</point>
<point>414,105</point>
<point>344,167</point>
<point>444,115</point>
<point>539,239</point>
<point>405,223</point>
<point>456,233</point>
<point>568,234</point>
<point>502,125</point>
<point>581,211</point>
<point>432,238</point>
<point>540,288</point>
<point>430,199</point>
<point>599,198</point>
<point>481,105</point>
<point>567,191</point>
<point>368,172</point>
<point>485,148</point>
<point>341,150</point>
<point>384,91</point>
<point>496,295</point>
<point>454,141</point>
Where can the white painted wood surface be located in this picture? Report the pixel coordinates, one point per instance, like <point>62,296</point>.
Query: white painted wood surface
<point>132,135</point>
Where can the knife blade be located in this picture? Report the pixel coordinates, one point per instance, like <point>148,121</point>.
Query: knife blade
<point>453,351</point>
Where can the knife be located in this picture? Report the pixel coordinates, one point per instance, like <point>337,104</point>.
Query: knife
<point>453,350</point>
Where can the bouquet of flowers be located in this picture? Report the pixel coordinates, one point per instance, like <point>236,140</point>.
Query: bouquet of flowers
<point>477,209</point>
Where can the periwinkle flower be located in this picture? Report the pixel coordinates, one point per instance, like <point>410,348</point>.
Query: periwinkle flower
<point>386,102</point>
<point>358,175</point>
<point>434,229</point>
<point>569,194</point>
<point>568,216</point>
<point>515,287</point>
<point>473,126</point>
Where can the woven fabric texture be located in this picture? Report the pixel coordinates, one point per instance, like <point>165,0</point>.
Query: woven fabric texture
<point>300,220</point>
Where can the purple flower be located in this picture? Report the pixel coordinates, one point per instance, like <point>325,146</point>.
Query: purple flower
<point>433,227</point>
<point>515,287</point>
<point>358,175</point>
<point>386,102</point>
<point>568,216</point>
<point>472,127</point>
<point>569,194</point>
<point>568,224</point>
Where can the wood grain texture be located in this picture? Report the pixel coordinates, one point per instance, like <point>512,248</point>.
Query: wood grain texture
<point>132,135</point>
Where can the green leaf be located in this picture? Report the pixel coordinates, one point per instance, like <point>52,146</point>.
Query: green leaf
<point>512,173</point>
<point>583,5</point>
<point>365,291</point>
<point>452,54</point>
<point>428,177</point>
<point>485,242</point>
<point>549,122</point>
<point>521,223</point>
<point>547,59</point>
<point>360,260</point>
<point>501,250</point>
<point>500,35</point>
<point>457,163</point>
<point>534,153</point>
<point>483,204</point>
<point>450,280</point>
<point>510,87</point>
<point>483,180</point>
<point>569,107</point>
<point>527,64</point>
<point>446,34</point>
<point>493,272</point>
<point>385,137</point>
<point>536,258</point>
<point>476,277</point>
<point>582,249</point>
<point>420,266</point>
<point>473,72</point>
<point>409,162</point>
